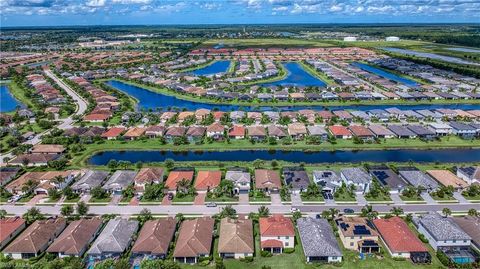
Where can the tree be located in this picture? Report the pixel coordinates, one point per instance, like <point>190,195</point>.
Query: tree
<point>473,212</point>
<point>169,163</point>
<point>154,192</point>
<point>228,211</point>
<point>333,212</point>
<point>54,194</point>
<point>32,215</point>
<point>98,193</point>
<point>397,211</point>
<point>3,213</point>
<point>258,163</point>
<point>263,211</point>
<point>67,210</point>
<point>296,215</point>
<point>128,192</point>
<point>69,193</point>
<point>144,216</point>
<point>325,214</point>
<point>368,212</point>
<point>446,212</point>
<point>82,208</point>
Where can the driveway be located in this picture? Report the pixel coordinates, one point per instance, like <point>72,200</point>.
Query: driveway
<point>165,200</point>
<point>275,199</point>
<point>427,198</point>
<point>457,195</point>
<point>360,199</point>
<point>115,200</point>
<point>36,199</point>
<point>396,198</point>
<point>200,198</point>
<point>85,198</point>
<point>243,199</point>
<point>296,199</point>
<point>134,201</point>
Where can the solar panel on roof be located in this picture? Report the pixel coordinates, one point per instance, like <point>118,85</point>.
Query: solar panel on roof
<point>360,230</point>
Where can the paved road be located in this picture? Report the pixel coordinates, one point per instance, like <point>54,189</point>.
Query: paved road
<point>81,107</point>
<point>241,209</point>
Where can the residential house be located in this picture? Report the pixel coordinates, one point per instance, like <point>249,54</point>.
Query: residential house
<point>119,181</point>
<point>317,131</point>
<point>7,174</point>
<point>463,130</point>
<point>237,132</point>
<point>339,131</point>
<point>114,240</point>
<point>327,180</point>
<point>113,133</point>
<point>155,238</point>
<point>194,240</point>
<point>318,241</point>
<point>471,226</point>
<point>422,132</point>
<point>32,160</point>
<point>240,179</point>
<point>154,131</point>
<point>91,179</point>
<point>297,178</point>
<point>400,241</point>
<point>43,181</point>
<point>75,239</point>
<point>361,132</point>
<point>445,235</point>
<point>417,178</point>
<point>34,240</point>
<point>267,180</point>
<point>176,176</point>
<point>469,174</point>
<point>47,149</point>
<point>10,227</point>
<point>447,178</point>
<point>297,130</point>
<point>236,238</point>
<point>174,131</point>
<point>357,177</point>
<point>147,176</point>
<point>440,128</point>
<point>276,132</point>
<point>402,131</point>
<point>380,131</point>
<point>208,180</point>
<point>358,234</point>
<point>388,178</point>
<point>215,131</point>
<point>276,233</point>
<point>256,132</point>
<point>195,133</point>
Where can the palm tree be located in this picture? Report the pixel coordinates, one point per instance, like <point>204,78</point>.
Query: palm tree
<point>333,212</point>
<point>473,212</point>
<point>183,184</point>
<point>447,212</point>
<point>325,214</point>
<point>263,211</point>
<point>397,211</point>
<point>368,212</point>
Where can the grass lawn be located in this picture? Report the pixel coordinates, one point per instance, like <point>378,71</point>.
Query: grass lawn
<point>473,198</point>
<point>103,200</point>
<point>380,198</point>
<point>126,199</point>
<point>345,197</point>
<point>259,199</point>
<point>316,198</point>
<point>25,198</point>
<point>445,198</point>
<point>411,199</point>
<point>184,199</point>
<point>222,198</point>
<point>74,200</point>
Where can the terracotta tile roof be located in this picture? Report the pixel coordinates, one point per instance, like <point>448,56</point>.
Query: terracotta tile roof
<point>44,148</point>
<point>236,236</point>
<point>215,127</point>
<point>276,225</point>
<point>96,117</point>
<point>397,235</point>
<point>76,237</point>
<point>339,130</point>
<point>155,237</point>
<point>8,226</point>
<point>360,131</point>
<point>237,130</point>
<point>194,237</point>
<point>447,178</point>
<point>176,176</point>
<point>267,179</point>
<point>271,243</point>
<point>149,175</point>
<point>208,180</point>
<point>134,132</point>
<point>113,132</point>
<point>175,131</point>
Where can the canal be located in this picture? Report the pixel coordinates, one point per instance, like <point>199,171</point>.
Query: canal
<point>399,155</point>
<point>387,75</point>
<point>8,103</point>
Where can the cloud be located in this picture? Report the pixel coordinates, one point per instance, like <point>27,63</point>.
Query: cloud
<point>95,3</point>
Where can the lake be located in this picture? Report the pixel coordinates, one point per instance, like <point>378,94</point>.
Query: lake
<point>212,69</point>
<point>8,103</point>
<point>152,100</point>
<point>449,59</point>
<point>400,155</point>
<point>297,76</point>
<point>386,74</point>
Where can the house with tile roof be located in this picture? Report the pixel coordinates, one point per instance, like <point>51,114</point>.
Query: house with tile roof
<point>194,240</point>
<point>276,233</point>
<point>318,241</point>
<point>471,226</point>
<point>176,176</point>
<point>236,238</point>
<point>147,176</point>
<point>401,241</point>
<point>119,181</point>
<point>90,180</point>
<point>9,229</point>
<point>267,180</point>
<point>208,180</point>
<point>75,239</point>
<point>155,238</point>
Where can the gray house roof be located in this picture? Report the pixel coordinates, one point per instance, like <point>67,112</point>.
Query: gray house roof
<point>115,237</point>
<point>441,228</point>
<point>417,178</point>
<point>401,130</point>
<point>91,179</point>
<point>420,130</point>
<point>356,175</point>
<point>120,179</point>
<point>317,238</point>
<point>298,178</point>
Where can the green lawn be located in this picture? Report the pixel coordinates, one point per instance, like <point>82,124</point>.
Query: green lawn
<point>184,199</point>
<point>345,197</point>
<point>317,198</point>
<point>411,199</point>
<point>445,198</point>
<point>259,199</point>
<point>103,200</point>
<point>379,198</point>
<point>473,198</point>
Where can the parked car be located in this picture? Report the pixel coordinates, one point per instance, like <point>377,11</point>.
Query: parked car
<point>348,211</point>
<point>170,196</point>
<point>294,209</point>
<point>211,204</point>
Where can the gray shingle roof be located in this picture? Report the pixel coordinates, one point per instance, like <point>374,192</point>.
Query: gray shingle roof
<point>115,237</point>
<point>356,175</point>
<point>417,178</point>
<point>317,238</point>
<point>441,228</point>
<point>90,180</point>
<point>120,179</point>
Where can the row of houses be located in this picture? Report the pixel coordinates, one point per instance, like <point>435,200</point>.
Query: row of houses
<point>456,237</point>
<point>42,88</point>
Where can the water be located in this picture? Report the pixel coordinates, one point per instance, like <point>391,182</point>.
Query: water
<point>464,50</point>
<point>152,100</point>
<point>387,75</point>
<point>8,103</point>
<point>215,68</point>
<point>449,59</point>
<point>400,155</point>
<point>297,76</point>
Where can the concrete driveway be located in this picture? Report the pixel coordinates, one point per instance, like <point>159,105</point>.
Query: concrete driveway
<point>200,198</point>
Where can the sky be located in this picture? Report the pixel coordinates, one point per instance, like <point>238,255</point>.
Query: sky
<point>164,12</point>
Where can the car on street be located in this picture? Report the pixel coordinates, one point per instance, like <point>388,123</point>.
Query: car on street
<point>211,204</point>
<point>348,211</point>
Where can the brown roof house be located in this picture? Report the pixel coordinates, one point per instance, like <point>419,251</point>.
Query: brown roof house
<point>154,238</point>
<point>236,238</point>
<point>35,239</point>
<point>297,130</point>
<point>147,176</point>
<point>208,180</point>
<point>76,238</point>
<point>134,133</point>
<point>194,240</point>
<point>276,131</point>
<point>9,229</point>
<point>47,149</point>
<point>154,131</point>
<point>267,180</point>
<point>256,132</point>
<point>196,133</point>
<point>276,233</point>
<point>215,130</point>
<point>358,234</point>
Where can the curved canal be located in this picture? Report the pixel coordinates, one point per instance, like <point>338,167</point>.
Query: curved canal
<point>399,155</point>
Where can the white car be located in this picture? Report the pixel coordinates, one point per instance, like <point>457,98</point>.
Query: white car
<point>293,209</point>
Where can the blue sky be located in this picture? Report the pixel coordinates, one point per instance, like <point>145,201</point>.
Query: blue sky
<point>121,12</point>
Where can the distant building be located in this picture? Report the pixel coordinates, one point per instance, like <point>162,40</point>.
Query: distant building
<point>392,39</point>
<point>350,39</point>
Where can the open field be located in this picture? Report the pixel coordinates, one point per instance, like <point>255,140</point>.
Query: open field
<point>265,42</point>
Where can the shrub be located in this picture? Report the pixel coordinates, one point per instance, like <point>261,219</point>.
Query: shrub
<point>423,238</point>
<point>247,259</point>
<point>443,258</point>
<point>264,253</point>
<point>398,259</point>
<point>288,250</point>
<point>204,263</point>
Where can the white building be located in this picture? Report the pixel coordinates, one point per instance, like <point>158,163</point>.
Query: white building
<point>392,39</point>
<point>350,39</point>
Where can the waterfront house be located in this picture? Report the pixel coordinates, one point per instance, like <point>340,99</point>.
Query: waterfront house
<point>297,130</point>
<point>297,178</point>
<point>113,133</point>
<point>134,133</point>
<point>422,132</point>
<point>215,131</point>
<point>174,132</point>
<point>387,178</point>
<point>317,131</point>
<point>241,180</point>
<point>114,240</point>
<point>91,179</point>
<point>256,132</point>
<point>119,181</point>
<point>447,178</point>
<point>154,131</point>
<point>155,238</point>
<point>34,240</point>
<point>469,174</point>
<point>440,128</point>
<point>357,177</point>
<point>75,239</point>
<point>237,132</point>
<point>31,160</point>
<point>400,241</point>
<point>318,241</point>
<point>236,238</point>
<point>267,180</point>
<point>195,133</point>
<point>176,176</point>
<point>339,131</point>
<point>361,132</point>
<point>10,227</point>
<point>194,240</point>
<point>327,180</point>
<point>358,234</point>
<point>276,233</point>
<point>147,176</point>
<point>463,130</point>
<point>276,132</point>
<point>417,178</point>
<point>380,131</point>
<point>208,180</point>
<point>402,131</point>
